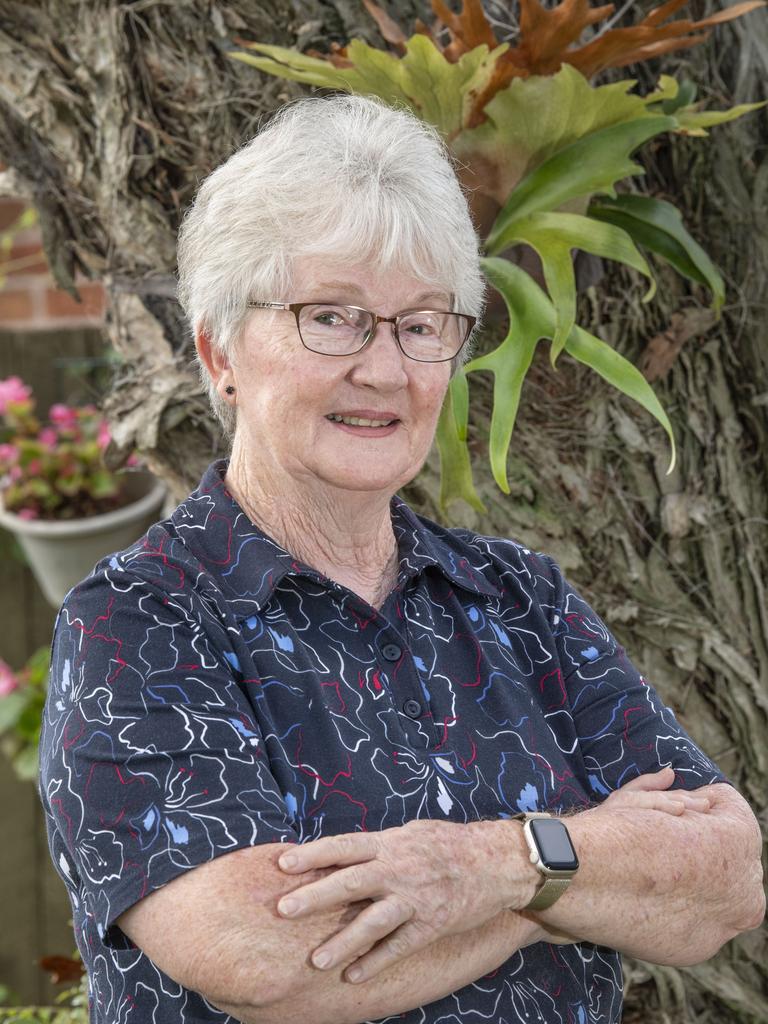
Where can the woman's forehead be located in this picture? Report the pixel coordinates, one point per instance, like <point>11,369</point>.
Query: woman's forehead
<point>350,281</point>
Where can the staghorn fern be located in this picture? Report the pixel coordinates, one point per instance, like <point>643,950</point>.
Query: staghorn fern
<point>542,152</point>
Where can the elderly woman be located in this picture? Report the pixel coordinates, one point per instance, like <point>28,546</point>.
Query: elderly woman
<point>296,685</point>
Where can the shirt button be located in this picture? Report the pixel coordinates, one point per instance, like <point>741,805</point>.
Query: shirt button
<point>412,708</point>
<point>391,652</point>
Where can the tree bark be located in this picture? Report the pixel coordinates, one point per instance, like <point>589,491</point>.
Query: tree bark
<point>113,112</point>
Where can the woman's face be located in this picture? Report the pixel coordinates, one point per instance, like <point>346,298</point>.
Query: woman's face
<point>285,393</point>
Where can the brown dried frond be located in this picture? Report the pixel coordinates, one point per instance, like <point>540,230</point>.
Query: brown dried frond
<point>62,968</point>
<point>549,36</point>
<point>388,27</point>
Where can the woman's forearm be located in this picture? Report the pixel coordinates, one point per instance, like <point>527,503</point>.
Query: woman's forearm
<point>446,965</point>
<point>663,888</point>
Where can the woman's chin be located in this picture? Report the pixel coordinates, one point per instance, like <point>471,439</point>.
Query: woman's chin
<point>357,478</point>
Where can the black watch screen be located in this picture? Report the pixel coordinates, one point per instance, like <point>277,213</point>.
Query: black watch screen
<point>554,844</point>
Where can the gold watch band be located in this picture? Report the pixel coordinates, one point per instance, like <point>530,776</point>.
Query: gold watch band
<point>551,890</point>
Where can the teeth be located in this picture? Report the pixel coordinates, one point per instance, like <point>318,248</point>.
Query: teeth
<point>355,421</point>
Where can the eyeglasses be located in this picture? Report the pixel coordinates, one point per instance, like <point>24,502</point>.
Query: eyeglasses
<point>426,335</point>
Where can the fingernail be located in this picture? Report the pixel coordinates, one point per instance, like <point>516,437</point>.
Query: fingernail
<point>288,860</point>
<point>321,959</point>
<point>355,973</point>
<point>288,906</point>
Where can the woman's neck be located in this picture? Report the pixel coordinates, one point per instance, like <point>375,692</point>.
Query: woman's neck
<point>345,535</point>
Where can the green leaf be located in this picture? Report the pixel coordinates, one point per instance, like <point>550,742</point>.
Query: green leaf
<point>510,361</point>
<point>695,122</point>
<point>535,117</point>
<point>298,67</point>
<point>460,396</point>
<point>592,164</point>
<point>532,316</point>
<point>455,468</point>
<point>380,73</point>
<point>434,88</point>
<point>11,707</point>
<point>103,484</point>
<point>441,91</point>
<point>619,372</point>
<point>26,763</point>
<point>658,226</point>
<point>553,236</point>
<point>666,90</point>
<point>685,94</point>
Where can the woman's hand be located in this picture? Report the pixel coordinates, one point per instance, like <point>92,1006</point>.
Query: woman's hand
<point>651,793</point>
<point>428,879</point>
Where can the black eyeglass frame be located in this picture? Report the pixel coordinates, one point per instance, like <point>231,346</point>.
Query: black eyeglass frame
<point>296,308</point>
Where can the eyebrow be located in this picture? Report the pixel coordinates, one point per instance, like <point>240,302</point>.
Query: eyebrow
<point>347,286</point>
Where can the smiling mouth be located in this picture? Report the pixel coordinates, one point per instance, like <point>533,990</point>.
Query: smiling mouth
<point>357,421</point>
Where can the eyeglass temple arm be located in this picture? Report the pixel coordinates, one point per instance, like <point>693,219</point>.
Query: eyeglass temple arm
<point>269,305</point>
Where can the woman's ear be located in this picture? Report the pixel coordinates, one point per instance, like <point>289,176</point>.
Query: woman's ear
<point>214,360</point>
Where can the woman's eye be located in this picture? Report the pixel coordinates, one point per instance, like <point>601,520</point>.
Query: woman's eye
<point>329,319</point>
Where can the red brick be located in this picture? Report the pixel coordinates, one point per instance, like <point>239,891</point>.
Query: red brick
<point>15,304</point>
<point>59,304</point>
<point>20,261</point>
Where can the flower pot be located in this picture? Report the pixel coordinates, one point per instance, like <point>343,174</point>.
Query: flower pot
<point>63,552</point>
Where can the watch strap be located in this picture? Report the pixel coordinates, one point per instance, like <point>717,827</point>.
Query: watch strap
<point>552,889</point>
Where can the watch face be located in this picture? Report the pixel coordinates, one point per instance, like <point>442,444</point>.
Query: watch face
<point>554,843</point>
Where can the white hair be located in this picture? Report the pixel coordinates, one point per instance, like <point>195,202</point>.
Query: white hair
<point>346,177</point>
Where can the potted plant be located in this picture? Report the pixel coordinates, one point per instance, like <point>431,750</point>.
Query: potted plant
<point>22,698</point>
<point>64,506</point>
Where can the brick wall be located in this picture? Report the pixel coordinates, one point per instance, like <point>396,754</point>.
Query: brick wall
<point>29,298</point>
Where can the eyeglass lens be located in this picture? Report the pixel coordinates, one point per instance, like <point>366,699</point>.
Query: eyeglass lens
<point>342,330</point>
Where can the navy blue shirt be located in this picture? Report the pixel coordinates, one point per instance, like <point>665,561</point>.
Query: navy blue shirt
<point>210,692</point>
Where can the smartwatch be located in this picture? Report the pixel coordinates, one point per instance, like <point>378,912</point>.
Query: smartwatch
<point>552,853</point>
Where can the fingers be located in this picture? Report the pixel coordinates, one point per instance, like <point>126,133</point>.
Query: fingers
<point>405,941</point>
<point>377,921</point>
<point>661,779</point>
<point>336,889</point>
<point>349,848</point>
<point>675,802</point>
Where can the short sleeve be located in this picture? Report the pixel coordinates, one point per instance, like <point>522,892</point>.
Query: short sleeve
<point>624,729</point>
<point>151,760</point>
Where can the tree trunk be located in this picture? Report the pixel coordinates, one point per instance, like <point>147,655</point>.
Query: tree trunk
<point>112,122</point>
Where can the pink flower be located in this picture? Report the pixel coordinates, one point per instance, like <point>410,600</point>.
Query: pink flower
<point>15,473</point>
<point>34,467</point>
<point>8,453</point>
<point>13,389</point>
<point>63,416</point>
<point>27,513</point>
<point>104,436</point>
<point>133,460</point>
<point>48,437</point>
<point>8,680</point>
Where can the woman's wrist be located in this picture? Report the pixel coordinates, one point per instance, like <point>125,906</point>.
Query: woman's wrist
<point>506,856</point>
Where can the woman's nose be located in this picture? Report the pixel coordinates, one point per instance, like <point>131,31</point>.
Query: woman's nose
<point>382,354</point>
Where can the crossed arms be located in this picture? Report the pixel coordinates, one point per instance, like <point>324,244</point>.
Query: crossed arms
<point>430,906</point>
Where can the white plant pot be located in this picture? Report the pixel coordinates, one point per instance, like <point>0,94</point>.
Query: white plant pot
<point>63,552</point>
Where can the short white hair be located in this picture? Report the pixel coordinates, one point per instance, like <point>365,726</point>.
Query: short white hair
<point>346,177</point>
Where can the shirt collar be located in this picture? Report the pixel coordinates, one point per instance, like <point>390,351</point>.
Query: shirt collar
<point>249,564</point>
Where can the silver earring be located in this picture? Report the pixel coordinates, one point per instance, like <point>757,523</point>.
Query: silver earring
<point>229,389</point>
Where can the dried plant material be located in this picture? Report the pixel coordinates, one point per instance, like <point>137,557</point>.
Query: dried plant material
<point>663,349</point>
<point>62,968</point>
<point>549,37</point>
